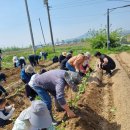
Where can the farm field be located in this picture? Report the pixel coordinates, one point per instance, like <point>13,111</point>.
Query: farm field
<point>99,108</point>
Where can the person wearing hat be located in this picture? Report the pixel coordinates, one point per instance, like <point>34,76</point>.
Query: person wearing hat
<point>105,62</point>
<point>63,62</point>
<point>3,92</point>
<point>74,63</point>
<point>35,117</point>
<point>55,82</point>
<point>85,67</point>
<point>26,73</point>
<point>62,57</point>
<point>5,112</point>
<point>15,61</point>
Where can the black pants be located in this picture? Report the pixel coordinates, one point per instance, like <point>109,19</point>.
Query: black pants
<point>108,67</point>
<point>32,62</point>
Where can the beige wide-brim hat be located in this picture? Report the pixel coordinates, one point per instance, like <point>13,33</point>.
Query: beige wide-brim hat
<point>29,69</point>
<point>87,54</point>
<point>64,53</point>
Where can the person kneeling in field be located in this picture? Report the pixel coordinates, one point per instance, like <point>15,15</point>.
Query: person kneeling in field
<point>35,117</point>
<point>55,82</point>
<point>74,63</point>
<point>106,63</point>
<point>5,112</point>
<point>85,67</point>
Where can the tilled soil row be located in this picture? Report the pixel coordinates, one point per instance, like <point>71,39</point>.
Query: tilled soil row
<point>121,91</point>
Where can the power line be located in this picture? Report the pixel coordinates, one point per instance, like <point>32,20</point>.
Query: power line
<point>76,5</point>
<point>119,0</point>
<point>75,2</point>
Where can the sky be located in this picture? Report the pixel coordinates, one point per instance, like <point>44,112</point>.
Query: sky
<point>70,19</point>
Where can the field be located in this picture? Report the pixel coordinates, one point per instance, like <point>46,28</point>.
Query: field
<point>97,108</point>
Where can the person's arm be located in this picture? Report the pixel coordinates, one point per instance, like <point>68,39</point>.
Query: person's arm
<point>2,116</point>
<point>2,89</point>
<point>70,113</point>
<point>105,61</point>
<point>61,99</point>
<point>8,108</point>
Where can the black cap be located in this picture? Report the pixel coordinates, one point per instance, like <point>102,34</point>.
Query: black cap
<point>71,51</point>
<point>97,54</point>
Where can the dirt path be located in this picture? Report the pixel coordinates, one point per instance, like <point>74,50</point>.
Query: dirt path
<point>121,90</point>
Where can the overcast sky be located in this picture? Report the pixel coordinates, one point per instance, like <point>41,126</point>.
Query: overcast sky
<point>70,18</point>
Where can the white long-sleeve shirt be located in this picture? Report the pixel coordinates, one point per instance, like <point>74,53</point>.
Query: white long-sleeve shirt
<point>10,110</point>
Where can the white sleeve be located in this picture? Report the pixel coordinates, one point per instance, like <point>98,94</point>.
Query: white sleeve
<point>8,108</point>
<point>2,116</point>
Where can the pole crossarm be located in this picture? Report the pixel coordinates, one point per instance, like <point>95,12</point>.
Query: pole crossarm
<point>119,7</point>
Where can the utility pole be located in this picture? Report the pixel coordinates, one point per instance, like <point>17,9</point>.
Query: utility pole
<point>30,27</point>
<point>42,31</point>
<point>49,19</point>
<point>108,23</point>
<point>108,30</point>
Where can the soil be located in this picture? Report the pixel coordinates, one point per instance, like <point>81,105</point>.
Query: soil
<point>106,107</point>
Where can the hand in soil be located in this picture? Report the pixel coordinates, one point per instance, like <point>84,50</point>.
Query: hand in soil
<point>71,114</point>
<point>12,105</point>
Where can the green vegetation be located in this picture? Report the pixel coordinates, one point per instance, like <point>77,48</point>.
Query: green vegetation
<point>96,43</point>
<point>82,87</point>
<point>99,38</point>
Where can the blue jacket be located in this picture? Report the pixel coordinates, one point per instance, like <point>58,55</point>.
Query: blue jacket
<point>24,76</point>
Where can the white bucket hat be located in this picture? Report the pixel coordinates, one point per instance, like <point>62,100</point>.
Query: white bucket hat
<point>73,79</point>
<point>37,114</point>
<point>40,116</point>
<point>29,69</point>
<point>87,54</point>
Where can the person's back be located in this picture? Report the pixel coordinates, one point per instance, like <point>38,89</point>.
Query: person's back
<point>35,117</point>
<point>31,59</point>
<point>61,58</point>
<point>24,77</point>
<point>22,62</point>
<point>26,73</point>
<point>55,59</point>
<point>79,59</point>
<point>63,62</point>
<point>110,60</point>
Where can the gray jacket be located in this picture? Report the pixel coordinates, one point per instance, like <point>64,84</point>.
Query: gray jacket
<point>52,81</point>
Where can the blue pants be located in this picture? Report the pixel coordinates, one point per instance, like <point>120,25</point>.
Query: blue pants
<point>44,96</point>
<point>70,67</point>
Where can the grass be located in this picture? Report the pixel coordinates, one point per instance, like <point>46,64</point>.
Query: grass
<point>77,48</point>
